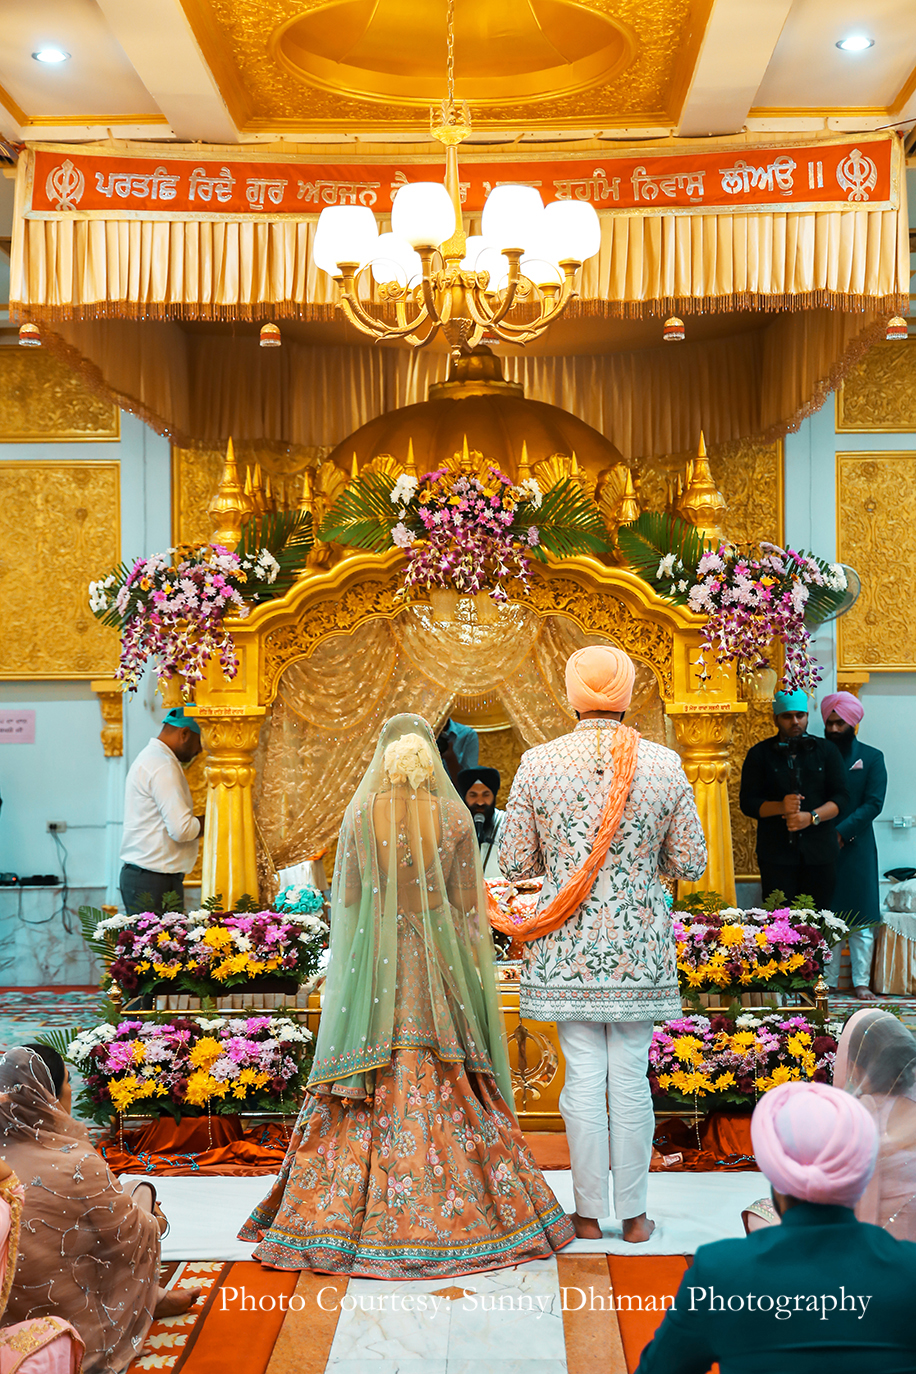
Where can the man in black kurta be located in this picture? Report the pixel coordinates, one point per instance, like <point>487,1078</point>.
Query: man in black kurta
<point>856,897</point>
<point>794,786</point>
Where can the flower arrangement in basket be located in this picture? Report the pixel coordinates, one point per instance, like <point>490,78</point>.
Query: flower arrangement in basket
<point>719,1061</point>
<point>726,950</point>
<point>208,952</point>
<point>173,606</point>
<point>466,530</point>
<point>191,1066</point>
<point>749,597</point>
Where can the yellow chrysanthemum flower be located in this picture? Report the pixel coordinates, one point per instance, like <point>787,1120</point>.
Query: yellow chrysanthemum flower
<point>139,1051</point>
<point>125,1091</point>
<point>217,937</point>
<point>725,1080</point>
<point>688,1049</point>
<point>731,935</point>
<point>205,1052</point>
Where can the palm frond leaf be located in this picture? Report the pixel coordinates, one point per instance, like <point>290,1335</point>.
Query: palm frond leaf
<point>59,1040</point>
<point>654,535</point>
<point>103,948</point>
<point>568,523</point>
<point>364,516</point>
<point>289,537</point>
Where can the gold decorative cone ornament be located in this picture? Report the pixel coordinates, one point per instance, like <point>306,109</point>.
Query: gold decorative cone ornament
<point>701,501</point>
<point>270,336</point>
<point>30,335</point>
<point>673,331</point>
<point>897,329</point>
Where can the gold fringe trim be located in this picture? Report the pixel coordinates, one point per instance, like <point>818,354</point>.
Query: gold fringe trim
<point>894,304</point>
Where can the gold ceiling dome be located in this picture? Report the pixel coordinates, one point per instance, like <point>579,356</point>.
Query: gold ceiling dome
<point>478,412</point>
<point>506,51</point>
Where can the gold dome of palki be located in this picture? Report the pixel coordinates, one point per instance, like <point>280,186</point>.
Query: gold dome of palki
<point>479,415</point>
<point>506,51</point>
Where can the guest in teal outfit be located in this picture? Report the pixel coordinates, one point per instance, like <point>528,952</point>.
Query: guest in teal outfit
<point>822,1293</point>
<point>856,898</point>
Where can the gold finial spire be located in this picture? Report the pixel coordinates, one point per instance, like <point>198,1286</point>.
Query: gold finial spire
<point>231,506</point>
<point>354,470</point>
<point>307,500</point>
<point>702,503</point>
<point>574,465</point>
<point>524,467</point>
<point>465,455</point>
<point>410,467</point>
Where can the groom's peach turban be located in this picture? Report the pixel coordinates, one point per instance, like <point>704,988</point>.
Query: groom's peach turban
<point>599,678</point>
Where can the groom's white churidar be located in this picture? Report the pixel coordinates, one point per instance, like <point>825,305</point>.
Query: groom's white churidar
<point>609,971</point>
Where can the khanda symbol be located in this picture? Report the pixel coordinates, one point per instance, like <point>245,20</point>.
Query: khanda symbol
<point>857,175</point>
<point>65,184</point>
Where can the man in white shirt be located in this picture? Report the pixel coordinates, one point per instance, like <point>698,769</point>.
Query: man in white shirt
<point>161,832</point>
<point>478,789</point>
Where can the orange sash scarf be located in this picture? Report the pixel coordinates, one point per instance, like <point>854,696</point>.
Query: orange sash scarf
<point>624,752</point>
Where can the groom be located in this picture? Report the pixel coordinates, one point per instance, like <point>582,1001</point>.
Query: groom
<point>600,812</point>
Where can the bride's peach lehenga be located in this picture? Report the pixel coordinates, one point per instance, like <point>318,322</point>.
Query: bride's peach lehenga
<point>406,1161</point>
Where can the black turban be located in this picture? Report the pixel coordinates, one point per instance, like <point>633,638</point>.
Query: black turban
<point>468,776</point>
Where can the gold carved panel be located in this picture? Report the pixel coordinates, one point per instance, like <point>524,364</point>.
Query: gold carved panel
<point>879,394</point>
<point>66,532</point>
<point>876,535</point>
<point>753,725</point>
<point>196,473</point>
<point>44,401</point>
<point>247,47</point>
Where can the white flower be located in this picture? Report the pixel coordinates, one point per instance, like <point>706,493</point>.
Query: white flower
<point>666,566</point>
<point>836,577</point>
<point>531,492</point>
<point>241,941</point>
<point>747,1022</point>
<point>404,490</point>
<point>709,562</point>
<point>683,585</point>
<point>111,923</point>
<point>98,601</point>
<point>401,536</point>
<point>266,567</point>
<point>799,597</point>
<point>698,596</point>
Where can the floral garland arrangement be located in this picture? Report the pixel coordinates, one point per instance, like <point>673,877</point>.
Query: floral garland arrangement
<point>749,598</point>
<point>718,1061</point>
<point>172,606</point>
<point>731,951</point>
<point>191,1066</point>
<point>206,953</point>
<point>465,531</point>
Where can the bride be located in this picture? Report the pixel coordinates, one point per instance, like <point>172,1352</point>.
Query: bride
<point>407,1160</point>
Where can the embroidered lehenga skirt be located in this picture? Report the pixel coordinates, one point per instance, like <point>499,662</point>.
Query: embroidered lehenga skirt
<point>429,1177</point>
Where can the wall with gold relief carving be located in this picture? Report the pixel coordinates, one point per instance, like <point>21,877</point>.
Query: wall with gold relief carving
<point>79,485</point>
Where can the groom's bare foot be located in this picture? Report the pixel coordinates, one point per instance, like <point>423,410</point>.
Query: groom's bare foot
<point>636,1230</point>
<point>586,1228</point>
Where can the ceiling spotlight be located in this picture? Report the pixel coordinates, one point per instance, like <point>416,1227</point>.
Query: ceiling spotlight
<point>51,55</point>
<point>856,42</point>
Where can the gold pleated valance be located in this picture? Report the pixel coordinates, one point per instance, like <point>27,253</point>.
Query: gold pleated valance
<point>853,259</point>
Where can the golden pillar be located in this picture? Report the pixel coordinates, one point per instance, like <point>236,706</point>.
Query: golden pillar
<point>110,694</point>
<point>230,865</point>
<point>703,737</point>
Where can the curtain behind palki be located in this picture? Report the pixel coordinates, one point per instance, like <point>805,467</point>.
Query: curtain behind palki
<point>321,729</point>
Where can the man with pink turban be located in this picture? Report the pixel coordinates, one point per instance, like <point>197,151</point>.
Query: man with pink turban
<point>856,897</point>
<point>822,1293</point>
<point>601,813</point>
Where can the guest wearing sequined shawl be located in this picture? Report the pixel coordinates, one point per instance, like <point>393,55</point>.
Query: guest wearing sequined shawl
<point>88,1252</point>
<point>609,971</point>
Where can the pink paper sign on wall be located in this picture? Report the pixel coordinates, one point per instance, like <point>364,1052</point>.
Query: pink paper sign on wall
<point>17,727</point>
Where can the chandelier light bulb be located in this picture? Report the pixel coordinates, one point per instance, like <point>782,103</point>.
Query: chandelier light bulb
<point>393,260</point>
<point>539,263</point>
<point>422,213</point>
<point>512,216</point>
<point>473,247</point>
<point>572,229</point>
<point>345,233</point>
<point>491,260</point>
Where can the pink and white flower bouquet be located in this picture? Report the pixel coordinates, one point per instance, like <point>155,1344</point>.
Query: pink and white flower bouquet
<point>192,1065</point>
<point>207,953</point>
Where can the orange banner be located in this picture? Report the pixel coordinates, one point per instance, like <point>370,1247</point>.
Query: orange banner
<point>170,184</point>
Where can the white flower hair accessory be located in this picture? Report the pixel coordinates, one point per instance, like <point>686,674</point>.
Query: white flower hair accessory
<point>409,759</point>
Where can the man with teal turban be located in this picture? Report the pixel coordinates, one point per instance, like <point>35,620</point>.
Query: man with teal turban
<point>794,786</point>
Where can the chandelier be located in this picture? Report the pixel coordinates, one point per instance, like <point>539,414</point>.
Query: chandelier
<point>438,277</point>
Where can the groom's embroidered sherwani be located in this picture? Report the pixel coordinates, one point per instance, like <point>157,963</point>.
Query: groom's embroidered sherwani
<point>615,959</point>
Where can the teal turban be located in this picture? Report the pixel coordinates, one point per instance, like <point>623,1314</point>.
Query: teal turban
<point>784,702</point>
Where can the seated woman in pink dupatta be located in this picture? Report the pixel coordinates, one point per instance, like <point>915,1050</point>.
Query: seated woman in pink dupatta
<point>876,1062</point>
<point>88,1253</point>
<point>46,1345</point>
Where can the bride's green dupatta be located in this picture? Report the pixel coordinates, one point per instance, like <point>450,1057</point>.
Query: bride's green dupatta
<point>408,884</point>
